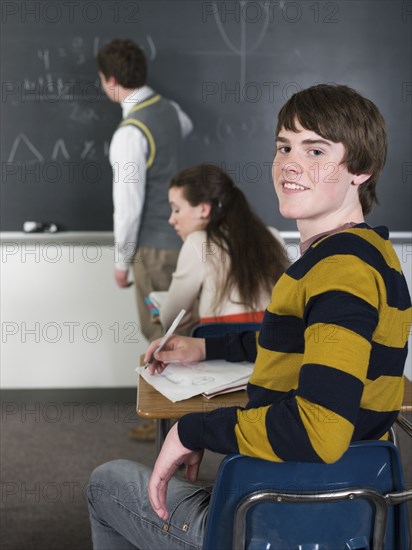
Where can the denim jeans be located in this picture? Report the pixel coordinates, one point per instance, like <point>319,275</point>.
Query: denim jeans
<point>122,518</point>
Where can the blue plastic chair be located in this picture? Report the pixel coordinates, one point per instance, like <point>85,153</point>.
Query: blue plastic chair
<point>357,502</point>
<point>219,329</point>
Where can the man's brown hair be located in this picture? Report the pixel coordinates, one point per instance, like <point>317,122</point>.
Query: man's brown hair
<point>124,60</point>
<point>340,114</point>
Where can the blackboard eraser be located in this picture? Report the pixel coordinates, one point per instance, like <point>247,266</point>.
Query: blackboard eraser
<point>40,227</point>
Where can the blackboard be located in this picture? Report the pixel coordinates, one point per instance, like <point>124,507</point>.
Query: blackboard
<point>230,65</point>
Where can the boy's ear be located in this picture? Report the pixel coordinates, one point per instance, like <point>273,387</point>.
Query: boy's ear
<point>360,178</point>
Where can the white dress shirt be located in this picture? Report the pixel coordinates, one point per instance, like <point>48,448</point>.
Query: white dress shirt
<point>128,150</point>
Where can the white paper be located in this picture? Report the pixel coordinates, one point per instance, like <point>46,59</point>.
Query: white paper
<point>180,381</point>
<point>227,388</point>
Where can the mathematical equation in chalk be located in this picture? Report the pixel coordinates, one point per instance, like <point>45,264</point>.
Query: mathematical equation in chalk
<point>67,72</point>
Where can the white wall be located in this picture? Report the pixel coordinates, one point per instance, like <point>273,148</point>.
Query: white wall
<point>64,322</point>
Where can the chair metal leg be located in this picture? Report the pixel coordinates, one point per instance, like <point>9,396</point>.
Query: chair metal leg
<point>392,436</point>
<point>404,424</point>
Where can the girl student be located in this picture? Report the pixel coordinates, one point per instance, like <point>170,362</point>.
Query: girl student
<point>229,260</point>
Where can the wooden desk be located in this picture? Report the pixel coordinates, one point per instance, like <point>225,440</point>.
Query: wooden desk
<point>153,405</point>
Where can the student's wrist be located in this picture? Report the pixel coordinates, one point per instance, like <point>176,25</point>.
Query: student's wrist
<point>122,266</point>
<point>190,430</point>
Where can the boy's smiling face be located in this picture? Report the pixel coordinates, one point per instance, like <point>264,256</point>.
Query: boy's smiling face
<point>312,184</point>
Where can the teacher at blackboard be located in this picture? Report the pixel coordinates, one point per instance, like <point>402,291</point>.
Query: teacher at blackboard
<point>144,154</point>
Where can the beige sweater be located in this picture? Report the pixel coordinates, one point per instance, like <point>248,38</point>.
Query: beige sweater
<point>201,270</point>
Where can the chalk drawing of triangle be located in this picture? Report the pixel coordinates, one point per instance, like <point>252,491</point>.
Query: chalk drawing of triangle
<point>20,147</point>
<point>60,148</point>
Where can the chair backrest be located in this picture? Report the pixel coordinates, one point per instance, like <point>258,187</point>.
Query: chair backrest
<point>277,523</point>
<point>219,329</point>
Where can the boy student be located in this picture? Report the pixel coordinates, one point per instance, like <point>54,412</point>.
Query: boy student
<point>144,154</point>
<point>332,346</point>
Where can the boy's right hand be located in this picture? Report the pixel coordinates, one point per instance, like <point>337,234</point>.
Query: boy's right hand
<point>183,349</point>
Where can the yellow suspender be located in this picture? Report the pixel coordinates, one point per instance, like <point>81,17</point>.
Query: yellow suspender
<point>144,128</point>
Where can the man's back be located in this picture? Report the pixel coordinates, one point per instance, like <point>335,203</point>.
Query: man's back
<point>156,118</point>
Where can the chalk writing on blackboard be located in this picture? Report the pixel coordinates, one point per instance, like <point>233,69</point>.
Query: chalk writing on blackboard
<point>152,48</point>
<point>75,82</point>
<point>23,139</point>
<point>60,149</point>
<point>22,146</point>
<point>242,50</point>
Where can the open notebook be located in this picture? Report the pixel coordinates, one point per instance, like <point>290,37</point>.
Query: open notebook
<point>209,378</point>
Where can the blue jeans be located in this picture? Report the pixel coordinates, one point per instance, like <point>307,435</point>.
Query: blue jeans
<point>122,518</point>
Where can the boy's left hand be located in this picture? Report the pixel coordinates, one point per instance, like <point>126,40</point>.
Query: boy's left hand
<point>171,456</point>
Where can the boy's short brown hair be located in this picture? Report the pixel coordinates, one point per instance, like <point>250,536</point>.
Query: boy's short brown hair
<point>124,60</point>
<point>340,114</point>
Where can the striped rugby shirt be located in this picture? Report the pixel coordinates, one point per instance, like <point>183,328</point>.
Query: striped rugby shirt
<point>330,356</point>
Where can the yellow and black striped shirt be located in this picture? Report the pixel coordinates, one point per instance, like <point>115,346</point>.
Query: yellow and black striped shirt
<point>330,356</point>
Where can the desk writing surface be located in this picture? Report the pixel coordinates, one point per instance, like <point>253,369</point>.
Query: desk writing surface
<point>152,404</point>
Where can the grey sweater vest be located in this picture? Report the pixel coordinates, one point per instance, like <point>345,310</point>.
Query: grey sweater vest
<point>157,119</point>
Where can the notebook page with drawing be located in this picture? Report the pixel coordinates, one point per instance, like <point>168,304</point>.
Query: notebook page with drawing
<point>182,381</point>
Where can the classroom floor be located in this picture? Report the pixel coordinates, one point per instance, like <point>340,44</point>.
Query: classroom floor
<point>50,443</point>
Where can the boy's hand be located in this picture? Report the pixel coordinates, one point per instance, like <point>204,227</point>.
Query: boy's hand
<point>171,456</point>
<point>183,349</point>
